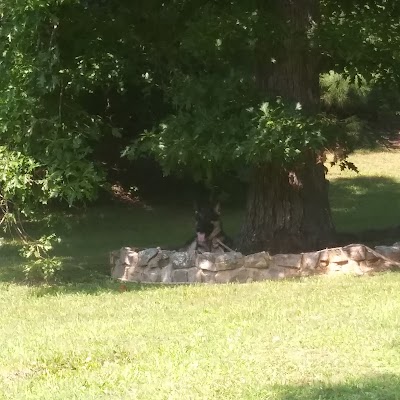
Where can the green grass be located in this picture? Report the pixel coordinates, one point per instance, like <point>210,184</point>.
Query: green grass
<point>311,339</point>
<point>370,199</point>
<point>90,236</point>
<point>314,339</point>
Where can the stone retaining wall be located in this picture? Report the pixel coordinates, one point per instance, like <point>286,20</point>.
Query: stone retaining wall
<point>163,266</point>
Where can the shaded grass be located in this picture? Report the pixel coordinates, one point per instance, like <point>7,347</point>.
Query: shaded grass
<point>309,339</point>
<point>86,247</point>
<point>89,235</point>
<point>370,199</point>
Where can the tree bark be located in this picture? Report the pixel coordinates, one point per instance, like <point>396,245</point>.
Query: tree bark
<point>288,207</point>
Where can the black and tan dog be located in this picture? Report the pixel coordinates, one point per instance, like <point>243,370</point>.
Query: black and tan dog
<point>210,236</point>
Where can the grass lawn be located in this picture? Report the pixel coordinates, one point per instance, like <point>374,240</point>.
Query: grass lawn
<point>370,199</point>
<point>314,339</point>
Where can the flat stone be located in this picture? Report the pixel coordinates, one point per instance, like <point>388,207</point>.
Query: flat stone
<point>324,255</point>
<point>180,275</point>
<point>181,260</point>
<point>205,276</point>
<point>257,274</point>
<point>133,274</point>
<point>353,267</point>
<point>146,255</point>
<point>118,271</point>
<point>334,268</point>
<point>224,276</point>
<point>154,262</point>
<point>128,256</point>
<point>309,261</point>
<point>164,258</point>
<point>287,260</point>
<point>219,262</point>
<point>389,251</point>
<point>241,275</point>
<point>277,273</point>
<point>151,275</point>
<point>378,265</point>
<point>205,261</point>
<point>364,267</point>
<point>337,256</point>
<point>166,274</point>
<point>259,260</point>
<point>356,253</point>
<point>194,275</point>
<point>161,260</point>
<point>350,267</point>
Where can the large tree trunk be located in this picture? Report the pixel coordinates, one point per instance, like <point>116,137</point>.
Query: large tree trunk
<point>288,207</point>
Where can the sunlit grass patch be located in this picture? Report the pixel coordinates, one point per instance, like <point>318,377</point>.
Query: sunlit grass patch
<point>253,341</point>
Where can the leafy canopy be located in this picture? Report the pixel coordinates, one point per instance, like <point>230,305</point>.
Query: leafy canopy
<point>185,71</point>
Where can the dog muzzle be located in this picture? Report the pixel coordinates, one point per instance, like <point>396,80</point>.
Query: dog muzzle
<point>201,237</point>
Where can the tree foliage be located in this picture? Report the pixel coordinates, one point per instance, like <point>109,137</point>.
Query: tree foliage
<point>79,74</point>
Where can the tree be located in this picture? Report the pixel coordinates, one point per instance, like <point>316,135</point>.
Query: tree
<point>217,124</point>
<point>231,87</point>
<point>288,206</point>
<point>249,97</point>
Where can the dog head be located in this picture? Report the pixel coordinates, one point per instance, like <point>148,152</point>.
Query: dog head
<point>208,221</point>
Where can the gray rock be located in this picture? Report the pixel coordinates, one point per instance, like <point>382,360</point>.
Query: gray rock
<point>277,272</point>
<point>146,255</point>
<point>356,252</point>
<point>392,252</point>
<point>287,260</point>
<point>180,275</point>
<point>259,260</point>
<point>206,276</point>
<point>161,260</point>
<point>225,276</point>
<point>155,265</point>
<point>151,275</point>
<point>118,271</point>
<point>324,256</point>
<point>337,256</point>
<point>128,256</point>
<point>181,260</point>
<point>309,261</point>
<point>219,262</point>
<point>240,275</point>
<point>166,274</point>
<point>134,274</point>
<point>194,275</point>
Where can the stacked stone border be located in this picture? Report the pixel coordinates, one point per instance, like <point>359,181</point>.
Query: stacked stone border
<point>155,265</point>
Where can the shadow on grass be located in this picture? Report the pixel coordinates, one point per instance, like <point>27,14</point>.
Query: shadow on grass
<point>11,263</point>
<point>368,207</point>
<point>358,204</point>
<point>89,235</point>
<point>94,288</point>
<point>380,387</point>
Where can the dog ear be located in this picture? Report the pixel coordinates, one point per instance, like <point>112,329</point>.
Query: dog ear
<point>217,208</point>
